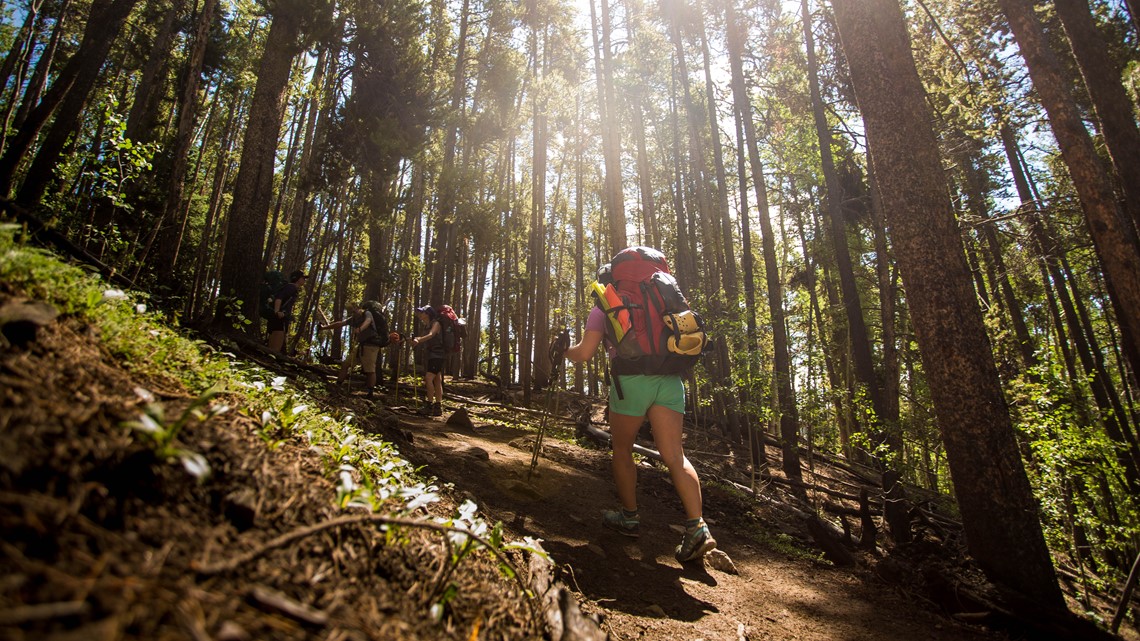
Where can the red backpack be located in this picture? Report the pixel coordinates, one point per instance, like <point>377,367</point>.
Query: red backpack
<point>662,335</point>
<point>454,329</point>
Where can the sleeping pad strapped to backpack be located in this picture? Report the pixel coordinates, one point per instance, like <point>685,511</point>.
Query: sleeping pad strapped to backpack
<point>649,319</point>
<point>454,329</point>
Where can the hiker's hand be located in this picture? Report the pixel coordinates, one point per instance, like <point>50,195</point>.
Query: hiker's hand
<point>560,345</point>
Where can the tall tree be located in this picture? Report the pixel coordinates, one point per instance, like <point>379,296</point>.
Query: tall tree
<point>186,110</point>
<point>241,267</point>
<point>1112,234</point>
<point>65,101</point>
<point>858,338</point>
<point>611,128</point>
<point>998,510</point>
<point>1113,107</point>
<point>781,357</point>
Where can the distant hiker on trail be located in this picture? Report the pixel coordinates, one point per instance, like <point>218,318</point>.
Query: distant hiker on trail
<point>369,333</point>
<point>433,369</point>
<point>283,299</point>
<point>638,307</point>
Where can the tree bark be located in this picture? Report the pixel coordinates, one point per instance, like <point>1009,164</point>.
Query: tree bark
<point>38,81</point>
<point>65,100</point>
<point>183,138</point>
<point>856,325</point>
<point>614,197</point>
<point>540,272</point>
<point>144,108</point>
<point>1113,107</point>
<point>999,513</point>
<point>241,267</point>
<point>726,256</point>
<point>1113,235</point>
<point>781,357</point>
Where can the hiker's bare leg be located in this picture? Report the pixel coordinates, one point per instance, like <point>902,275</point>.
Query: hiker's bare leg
<point>623,431</point>
<point>346,366</point>
<point>371,378</point>
<point>434,387</point>
<point>276,341</point>
<point>667,425</point>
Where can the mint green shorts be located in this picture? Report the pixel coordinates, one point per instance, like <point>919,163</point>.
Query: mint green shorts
<point>642,391</point>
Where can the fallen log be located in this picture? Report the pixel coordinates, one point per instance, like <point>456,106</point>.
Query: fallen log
<point>603,438</point>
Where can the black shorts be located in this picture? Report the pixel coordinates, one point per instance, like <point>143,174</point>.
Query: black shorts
<point>434,364</point>
<point>275,324</point>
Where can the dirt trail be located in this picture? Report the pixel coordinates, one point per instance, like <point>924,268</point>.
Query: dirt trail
<point>635,585</point>
<point>92,521</point>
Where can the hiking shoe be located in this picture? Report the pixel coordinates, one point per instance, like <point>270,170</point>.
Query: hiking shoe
<point>622,524</point>
<point>437,409</point>
<point>697,543</point>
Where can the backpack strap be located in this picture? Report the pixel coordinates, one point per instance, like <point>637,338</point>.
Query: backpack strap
<point>617,384</point>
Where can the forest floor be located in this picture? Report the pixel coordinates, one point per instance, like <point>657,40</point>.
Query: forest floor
<point>102,540</point>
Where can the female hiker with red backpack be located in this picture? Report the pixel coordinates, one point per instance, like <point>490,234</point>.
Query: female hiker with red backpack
<point>645,383</point>
<point>433,369</point>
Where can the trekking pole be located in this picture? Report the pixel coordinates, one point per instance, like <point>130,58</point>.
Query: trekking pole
<point>399,360</point>
<point>556,364</point>
<point>415,380</point>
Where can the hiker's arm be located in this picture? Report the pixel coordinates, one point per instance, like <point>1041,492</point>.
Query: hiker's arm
<point>434,330</point>
<point>586,347</point>
<point>339,323</point>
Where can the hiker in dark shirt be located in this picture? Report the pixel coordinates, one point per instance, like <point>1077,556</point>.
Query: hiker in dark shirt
<point>278,322</point>
<point>369,334</point>
<point>433,376</point>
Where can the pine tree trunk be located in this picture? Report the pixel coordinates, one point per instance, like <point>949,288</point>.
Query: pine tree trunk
<point>540,272</point>
<point>65,101</point>
<point>726,256</point>
<point>781,358</point>
<point>686,250</point>
<point>1113,235</point>
<point>1113,107</point>
<point>856,326</point>
<point>17,61</point>
<point>439,259</point>
<point>241,268</point>
<point>888,291</point>
<point>999,512</point>
<point>38,82</point>
<point>151,87</point>
<point>696,157</point>
<point>187,109</point>
<point>300,211</point>
<point>613,195</point>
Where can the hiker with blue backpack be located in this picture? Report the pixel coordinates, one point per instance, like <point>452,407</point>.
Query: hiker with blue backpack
<point>652,338</point>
